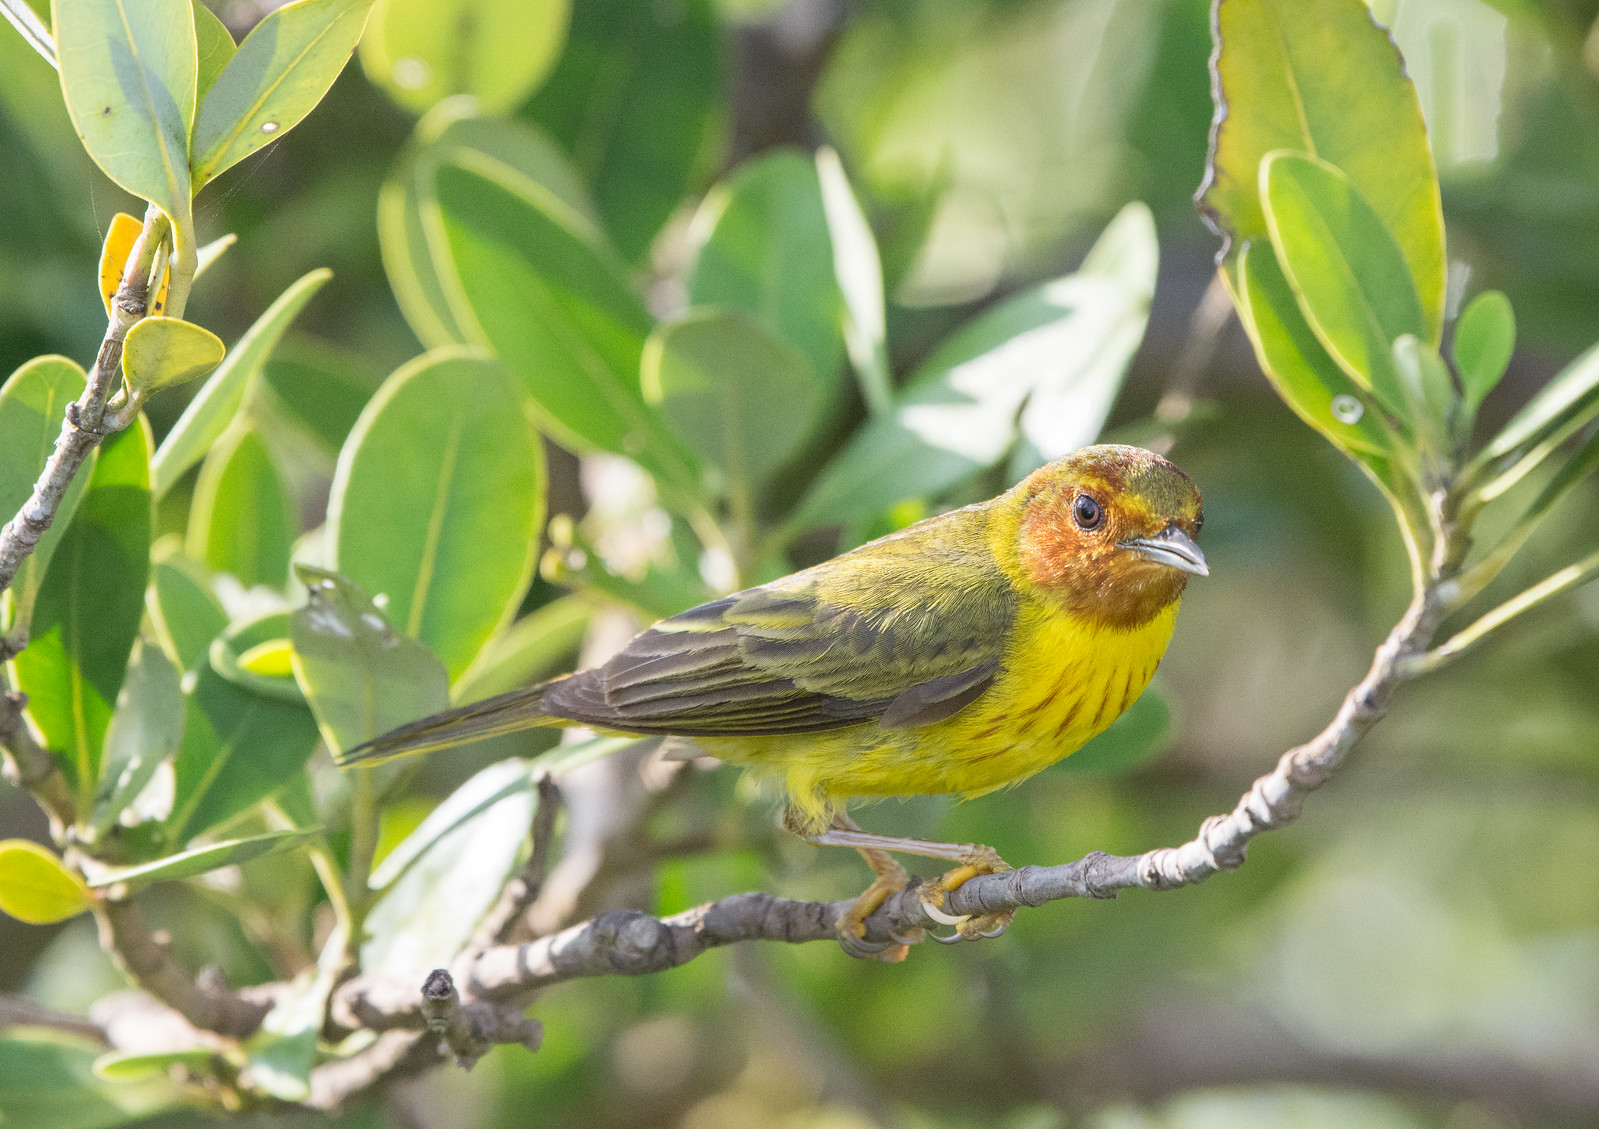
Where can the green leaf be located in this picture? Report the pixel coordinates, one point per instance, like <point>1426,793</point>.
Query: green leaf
<point>203,860</point>
<point>1563,407</point>
<point>232,652</point>
<point>1485,338</point>
<point>238,748</point>
<point>32,409</point>
<point>163,352</point>
<point>1045,365</point>
<point>741,398</point>
<point>1345,268</point>
<point>859,271</point>
<point>88,611</point>
<point>1142,731</point>
<point>761,244</point>
<point>48,1083</point>
<point>145,729</point>
<point>322,387</point>
<point>361,677</point>
<point>281,71</point>
<point>531,648</point>
<point>497,51</point>
<point>209,413</point>
<point>1319,77</point>
<point>556,309</point>
<point>409,229</point>
<point>115,1067</point>
<point>1309,381</point>
<point>1429,391</point>
<point>186,613</point>
<point>241,520</point>
<point>283,1051</point>
<point>635,99</point>
<point>129,79</point>
<point>438,500</point>
<point>216,47</point>
<point>36,887</point>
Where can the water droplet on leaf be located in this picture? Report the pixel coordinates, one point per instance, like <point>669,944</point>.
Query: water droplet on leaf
<point>1347,409</point>
<point>411,73</point>
<point>269,127</point>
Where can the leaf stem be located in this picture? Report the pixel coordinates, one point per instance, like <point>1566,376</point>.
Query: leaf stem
<point>32,29</point>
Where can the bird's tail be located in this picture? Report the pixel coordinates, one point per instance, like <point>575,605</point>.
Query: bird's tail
<point>506,713</point>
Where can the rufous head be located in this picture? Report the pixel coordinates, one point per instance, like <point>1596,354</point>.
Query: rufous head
<point>1110,532</point>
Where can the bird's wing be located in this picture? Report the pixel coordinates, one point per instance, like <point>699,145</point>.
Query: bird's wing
<point>903,632</point>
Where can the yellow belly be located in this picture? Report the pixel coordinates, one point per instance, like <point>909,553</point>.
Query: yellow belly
<point>1062,682</point>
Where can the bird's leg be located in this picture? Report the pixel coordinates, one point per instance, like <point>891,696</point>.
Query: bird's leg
<point>890,879</point>
<point>974,859</point>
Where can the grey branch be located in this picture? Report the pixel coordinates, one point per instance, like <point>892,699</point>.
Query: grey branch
<point>30,767</point>
<point>19,1011</point>
<point>471,1030</point>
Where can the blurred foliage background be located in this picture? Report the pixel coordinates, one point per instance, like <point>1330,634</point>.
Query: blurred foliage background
<point>1422,950</point>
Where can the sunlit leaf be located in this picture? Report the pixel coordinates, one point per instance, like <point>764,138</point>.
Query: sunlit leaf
<point>323,387</point>
<point>265,632</point>
<point>1485,338</point>
<point>162,352</point>
<point>36,887</point>
<point>216,48</point>
<point>860,281</point>
<point>183,608</point>
<point>146,728</point>
<point>49,1083</point>
<point>531,648</point>
<point>120,237</point>
<point>202,860</point>
<point>241,520</point>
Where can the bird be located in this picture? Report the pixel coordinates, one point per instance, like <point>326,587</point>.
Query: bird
<point>958,655</point>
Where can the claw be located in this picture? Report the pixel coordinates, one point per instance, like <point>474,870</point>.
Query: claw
<point>933,911</point>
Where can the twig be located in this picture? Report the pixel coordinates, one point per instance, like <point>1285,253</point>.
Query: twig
<point>85,423</point>
<point>472,1030</point>
<point>19,1011</point>
<point>31,768</point>
<point>523,889</point>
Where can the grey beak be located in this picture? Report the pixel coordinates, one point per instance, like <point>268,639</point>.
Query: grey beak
<point>1171,546</point>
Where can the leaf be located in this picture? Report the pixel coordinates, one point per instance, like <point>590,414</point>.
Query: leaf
<point>438,500</point>
<point>116,1067</point>
<point>1320,77</point>
<point>120,237</point>
<point>36,887</point>
<point>1138,735</point>
<point>88,611</point>
<point>498,51</point>
<point>186,614</point>
<point>1309,381</point>
<point>1572,396</point>
<point>1045,365</point>
<point>1345,268</point>
<point>635,98</point>
<point>761,244</point>
<point>250,637</point>
<point>129,79</point>
<point>322,386</point>
<point>162,352</point>
<point>859,271</point>
<point>48,1083</point>
<point>203,860</point>
<point>280,72</point>
<point>1429,392</point>
<point>361,677</point>
<point>32,409</point>
<point>216,48</point>
<point>556,309</point>
<point>209,413</point>
<point>282,1052</point>
<point>531,648</point>
<point>241,520</point>
<point>409,230</point>
<point>1485,338</point>
<point>238,748</point>
<point>146,728</point>
<point>739,397</point>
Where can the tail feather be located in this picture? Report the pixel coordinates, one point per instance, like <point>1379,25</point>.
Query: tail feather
<point>492,717</point>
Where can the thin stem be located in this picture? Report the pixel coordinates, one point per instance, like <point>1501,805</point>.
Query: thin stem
<point>31,28</point>
<point>363,848</point>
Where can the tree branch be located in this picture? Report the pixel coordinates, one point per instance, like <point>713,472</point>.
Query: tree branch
<point>19,1011</point>
<point>31,768</point>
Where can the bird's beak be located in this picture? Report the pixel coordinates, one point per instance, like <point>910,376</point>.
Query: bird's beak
<point>1171,546</point>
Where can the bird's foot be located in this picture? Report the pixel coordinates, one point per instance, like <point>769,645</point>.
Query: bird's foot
<point>852,925</point>
<point>976,860</point>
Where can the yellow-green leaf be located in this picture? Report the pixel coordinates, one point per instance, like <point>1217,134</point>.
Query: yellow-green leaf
<point>36,887</point>
<point>119,240</point>
<point>216,47</point>
<point>162,352</point>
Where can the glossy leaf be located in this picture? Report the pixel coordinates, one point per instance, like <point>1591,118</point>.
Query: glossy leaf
<point>497,51</point>
<point>203,860</point>
<point>238,748</point>
<point>212,409</point>
<point>634,99</point>
<point>761,244</point>
<point>36,887</point>
<point>531,648</point>
<point>557,311</point>
<point>1045,365</point>
<point>129,81</point>
<point>1485,338</point>
<point>1309,381</point>
<point>241,520</point>
<point>280,72</point>
<point>438,500</point>
<point>267,632</point>
<point>120,237</point>
<point>162,352</point>
<point>1319,77</point>
<point>409,228</point>
<point>32,409</point>
<point>88,611</point>
<point>146,728</point>
<point>216,48</point>
<point>1345,268</point>
<point>859,271</point>
<point>361,676</point>
<point>186,613</point>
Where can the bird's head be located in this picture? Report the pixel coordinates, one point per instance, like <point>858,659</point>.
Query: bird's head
<point>1109,531</point>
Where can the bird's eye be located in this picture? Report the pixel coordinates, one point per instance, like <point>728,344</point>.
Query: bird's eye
<point>1199,523</point>
<point>1086,512</point>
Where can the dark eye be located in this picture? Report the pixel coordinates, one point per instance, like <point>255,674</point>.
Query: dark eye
<point>1086,512</point>
<point>1199,523</point>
